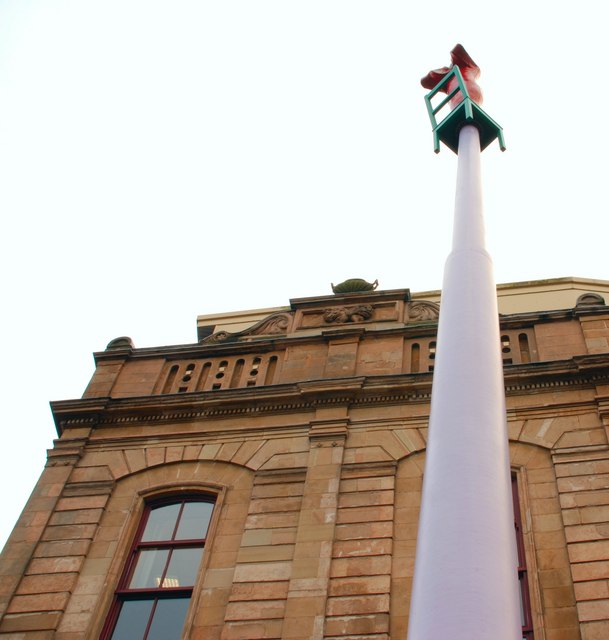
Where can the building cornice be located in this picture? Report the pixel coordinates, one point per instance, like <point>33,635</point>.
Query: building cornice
<point>535,377</point>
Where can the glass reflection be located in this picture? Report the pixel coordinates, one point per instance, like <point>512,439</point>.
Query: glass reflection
<point>132,620</point>
<point>161,523</point>
<point>149,569</point>
<point>194,521</point>
<point>168,620</point>
<point>183,567</point>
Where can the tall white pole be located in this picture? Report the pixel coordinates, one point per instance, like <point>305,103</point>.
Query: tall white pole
<point>465,582</point>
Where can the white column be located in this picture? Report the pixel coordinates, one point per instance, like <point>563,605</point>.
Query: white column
<point>465,582</point>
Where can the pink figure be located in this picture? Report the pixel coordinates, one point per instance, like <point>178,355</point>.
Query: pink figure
<point>469,70</point>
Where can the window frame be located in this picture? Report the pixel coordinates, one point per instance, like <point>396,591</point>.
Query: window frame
<point>528,631</point>
<point>123,593</point>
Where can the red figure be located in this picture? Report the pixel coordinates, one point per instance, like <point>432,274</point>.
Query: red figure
<point>469,70</point>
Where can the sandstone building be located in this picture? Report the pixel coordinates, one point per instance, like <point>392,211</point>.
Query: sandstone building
<point>264,482</point>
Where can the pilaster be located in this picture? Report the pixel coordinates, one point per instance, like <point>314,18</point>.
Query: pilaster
<point>308,588</point>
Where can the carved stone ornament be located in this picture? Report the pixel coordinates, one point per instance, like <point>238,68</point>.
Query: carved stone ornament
<point>357,313</point>
<point>590,299</point>
<point>124,342</point>
<point>354,285</point>
<point>423,311</point>
<point>276,324</point>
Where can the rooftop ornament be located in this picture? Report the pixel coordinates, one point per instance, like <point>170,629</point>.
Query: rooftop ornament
<point>463,97</point>
<point>123,342</point>
<point>354,285</point>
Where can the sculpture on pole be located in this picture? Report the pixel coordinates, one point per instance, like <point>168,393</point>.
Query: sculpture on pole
<point>469,70</point>
<point>463,97</point>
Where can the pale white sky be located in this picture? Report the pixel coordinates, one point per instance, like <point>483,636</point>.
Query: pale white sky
<point>164,159</point>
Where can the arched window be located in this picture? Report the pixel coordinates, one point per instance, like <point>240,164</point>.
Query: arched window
<point>156,586</point>
<point>415,357</point>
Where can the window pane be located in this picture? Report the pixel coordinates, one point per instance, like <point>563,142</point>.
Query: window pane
<point>132,620</point>
<point>161,523</point>
<point>168,620</point>
<point>149,569</point>
<point>183,567</point>
<point>194,521</point>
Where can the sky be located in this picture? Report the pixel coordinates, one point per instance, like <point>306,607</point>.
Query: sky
<point>160,160</point>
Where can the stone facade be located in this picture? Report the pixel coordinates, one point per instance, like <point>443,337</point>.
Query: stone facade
<point>309,427</point>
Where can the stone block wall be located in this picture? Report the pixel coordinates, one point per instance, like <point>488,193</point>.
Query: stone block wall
<point>317,479</point>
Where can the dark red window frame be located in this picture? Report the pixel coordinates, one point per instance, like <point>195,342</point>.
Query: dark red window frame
<point>124,593</point>
<point>523,580</point>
